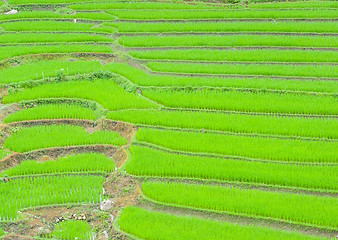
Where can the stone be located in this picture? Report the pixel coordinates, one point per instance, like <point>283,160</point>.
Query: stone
<point>11,12</point>
<point>106,205</point>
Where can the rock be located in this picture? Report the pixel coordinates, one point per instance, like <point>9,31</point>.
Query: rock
<point>11,12</point>
<point>106,205</point>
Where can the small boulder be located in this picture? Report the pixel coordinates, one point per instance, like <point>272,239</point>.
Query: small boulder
<point>11,12</point>
<point>106,205</point>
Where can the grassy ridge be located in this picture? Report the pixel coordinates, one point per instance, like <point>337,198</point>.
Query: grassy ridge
<point>136,221</point>
<point>250,101</point>
<point>14,51</point>
<point>38,137</point>
<point>223,14</point>
<point>278,205</point>
<point>240,145</point>
<point>228,41</point>
<point>146,161</point>
<point>292,126</point>
<point>85,162</point>
<point>71,229</point>
<point>45,191</point>
<point>105,92</point>
<point>51,37</point>
<point>233,26</point>
<point>52,111</point>
<point>247,69</point>
<point>264,55</point>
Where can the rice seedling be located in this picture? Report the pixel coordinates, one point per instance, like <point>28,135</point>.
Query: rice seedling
<point>247,69</point>
<point>248,101</point>
<point>103,91</point>
<point>80,163</point>
<point>51,38</point>
<point>44,69</point>
<point>54,26</point>
<point>24,193</point>
<point>223,14</point>
<point>147,161</point>
<point>45,136</point>
<point>277,205</point>
<point>72,229</point>
<point>230,40</point>
<point>232,122</point>
<point>3,153</point>
<point>136,221</point>
<point>140,5</point>
<point>296,4</point>
<point>52,111</point>
<point>142,78</point>
<point>18,2</point>
<point>247,146</point>
<point>14,51</point>
<point>246,55</point>
<point>233,26</point>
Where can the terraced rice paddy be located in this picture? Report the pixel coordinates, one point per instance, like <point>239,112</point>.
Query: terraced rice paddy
<point>168,120</point>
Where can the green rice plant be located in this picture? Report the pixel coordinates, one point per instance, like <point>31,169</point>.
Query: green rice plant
<point>55,15</point>
<point>247,69</point>
<point>72,229</point>
<point>80,163</point>
<point>14,51</point>
<point>18,2</point>
<point>249,101</point>
<point>103,91</point>
<point>4,153</point>
<point>44,69</point>
<point>296,4</point>
<point>246,55</point>
<point>277,205</point>
<point>51,38</point>
<point>240,145</point>
<point>21,193</point>
<point>232,122</point>
<point>155,14</point>
<point>48,136</point>
<point>232,26</point>
<point>142,78</point>
<point>230,40</point>
<point>140,5</point>
<point>52,111</point>
<point>147,161</point>
<point>54,26</point>
<point>164,226</point>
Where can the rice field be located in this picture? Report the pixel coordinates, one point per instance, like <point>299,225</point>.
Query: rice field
<point>171,120</point>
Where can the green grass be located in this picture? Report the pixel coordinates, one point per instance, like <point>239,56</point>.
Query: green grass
<point>24,193</point>
<point>257,147</point>
<point>233,26</point>
<point>247,69</point>
<point>223,14</point>
<point>251,101</point>
<point>52,38</point>
<point>14,51</point>
<point>228,41</point>
<point>103,91</point>
<point>296,4</point>
<point>239,123</point>
<point>146,161</point>
<point>38,137</point>
<point>278,205</point>
<point>54,26</point>
<point>72,229</point>
<point>245,55</point>
<point>52,111</point>
<point>80,163</point>
<point>44,69</point>
<point>164,226</point>
<point>142,78</point>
